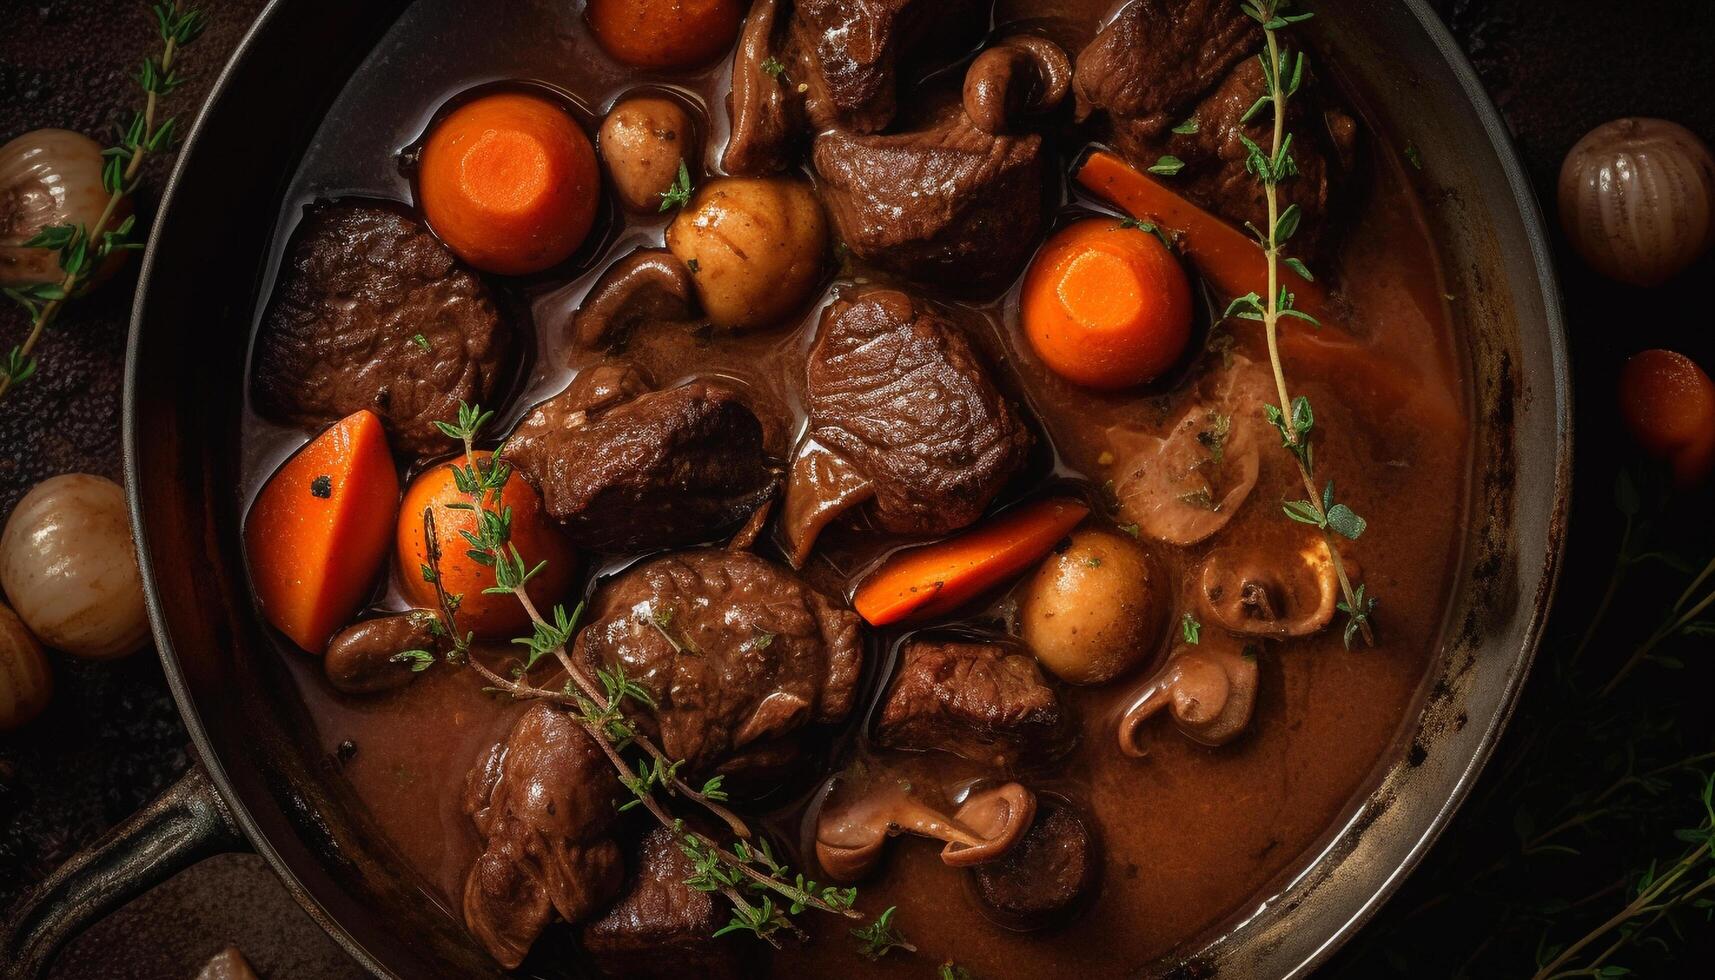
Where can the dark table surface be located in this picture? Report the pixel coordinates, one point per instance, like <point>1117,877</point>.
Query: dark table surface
<point>113,739</point>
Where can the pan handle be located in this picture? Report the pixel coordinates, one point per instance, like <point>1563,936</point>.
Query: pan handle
<point>183,825</point>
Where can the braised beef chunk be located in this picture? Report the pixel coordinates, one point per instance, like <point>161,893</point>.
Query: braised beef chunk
<point>1039,882</point>
<point>543,802</point>
<point>1154,61</point>
<point>371,311</point>
<point>983,701</point>
<point>1189,64</point>
<point>951,204</point>
<point>624,467</point>
<point>849,53</point>
<point>735,651</point>
<point>902,414</point>
<point>1215,177</point>
<point>661,927</point>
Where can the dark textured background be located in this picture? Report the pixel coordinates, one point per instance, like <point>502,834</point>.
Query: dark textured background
<point>112,739</point>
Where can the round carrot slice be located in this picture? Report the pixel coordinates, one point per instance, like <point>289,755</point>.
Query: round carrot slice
<point>1106,305</point>
<point>665,33</point>
<point>509,182</point>
<point>489,615</point>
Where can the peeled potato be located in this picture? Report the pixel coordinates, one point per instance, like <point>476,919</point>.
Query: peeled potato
<point>26,682</point>
<point>1094,610</point>
<point>756,248</point>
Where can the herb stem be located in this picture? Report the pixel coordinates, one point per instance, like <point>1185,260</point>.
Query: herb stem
<point>1644,902</point>
<point>1673,625</point>
<point>676,786</point>
<point>50,310</point>
<point>1272,314</point>
<point>598,713</point>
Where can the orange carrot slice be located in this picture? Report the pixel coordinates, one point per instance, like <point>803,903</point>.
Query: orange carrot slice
<point>939,577</point>
<point>322,528</point>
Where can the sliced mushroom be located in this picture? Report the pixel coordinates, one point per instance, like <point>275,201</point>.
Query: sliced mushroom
<point>1209,688</point>
<point>361,658</point>
<point>822,487</point>
<point>647,286</point>
<point>1247,591</point>
<point>1185,486</point>
<point>757,104</point>
<point>1023,74</point>
<point>851,834</point>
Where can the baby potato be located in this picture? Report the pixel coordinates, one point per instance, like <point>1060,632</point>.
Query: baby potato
<point>756,248</point>
<point>1094,610</point>
<point>643,141</point>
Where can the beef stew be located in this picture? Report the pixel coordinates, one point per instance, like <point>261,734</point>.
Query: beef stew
<point>1188,834</point>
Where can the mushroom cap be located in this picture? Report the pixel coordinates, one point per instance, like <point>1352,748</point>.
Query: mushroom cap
<point>1020,74</point>
<point>999,816</point>
<point>1250,592</point>
<point>851,834</point>
<point>649,284</point>
<point>1210,689</point>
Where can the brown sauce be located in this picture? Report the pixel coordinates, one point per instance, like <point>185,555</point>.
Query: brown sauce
<point>1192,837</point>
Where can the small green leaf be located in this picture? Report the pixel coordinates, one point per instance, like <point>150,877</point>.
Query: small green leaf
<point>1186,128</point>
<point>678,195</point>
<point>1167,166</point>
<point>1346,522</point>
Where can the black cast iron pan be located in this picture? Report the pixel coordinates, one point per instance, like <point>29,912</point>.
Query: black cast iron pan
<point>260,783</point>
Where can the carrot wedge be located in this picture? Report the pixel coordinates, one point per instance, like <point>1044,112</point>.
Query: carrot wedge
<point>939,577</point>
<point>321,529</point>
<point>1228,257</point>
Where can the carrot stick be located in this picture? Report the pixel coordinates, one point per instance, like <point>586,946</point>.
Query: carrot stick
<point>322,528</point>
<point>939,577</point>
<point>1225,255</point>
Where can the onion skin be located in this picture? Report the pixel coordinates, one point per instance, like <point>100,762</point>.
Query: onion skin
<point>26,680</point>
<point>1637,199</point>
<point>70,570</point>
<point>50,177</point>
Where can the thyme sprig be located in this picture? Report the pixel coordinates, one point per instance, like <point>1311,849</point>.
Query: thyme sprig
<point>84,250</point>
<point>1654,896</point>
<point>1293,418</point>
<point>764,893</point>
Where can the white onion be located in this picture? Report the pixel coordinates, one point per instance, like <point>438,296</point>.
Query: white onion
<point>1637,199</point>
<point>69,567</point>
<point>47,177</point>
<point>26,682</point>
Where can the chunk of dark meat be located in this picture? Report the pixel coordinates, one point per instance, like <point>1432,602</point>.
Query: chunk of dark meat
<point>849,54</point>
<point>902,415</point>
<point>661,927</point>
<point>1215,177</point>
<point>1040,881</point>
<point>950,204</point>
<point>1154,61</point>
<point>983,701</point>
<point>1163,63</point>
<point>371,311</point>
<point>543,802</point>
<point>736,652</point>
<point>624,467</point>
